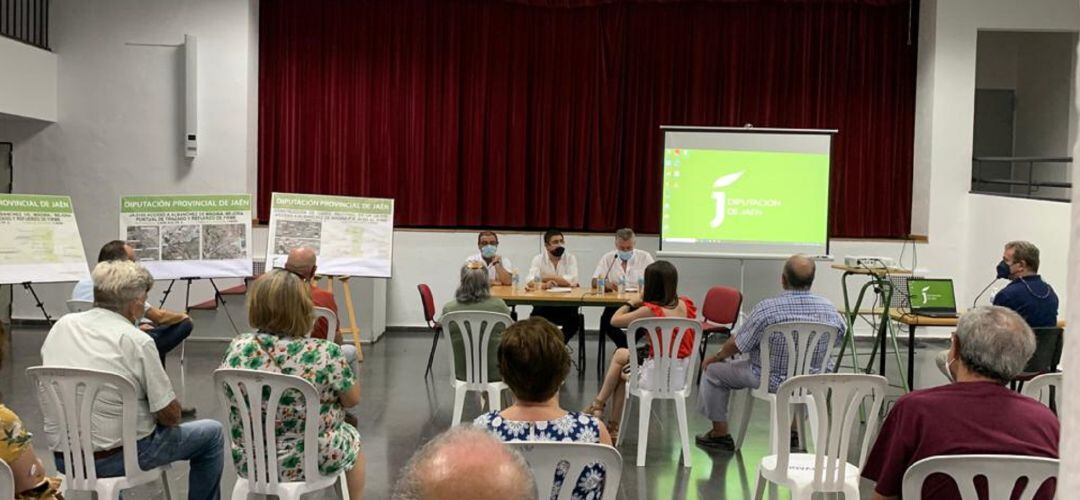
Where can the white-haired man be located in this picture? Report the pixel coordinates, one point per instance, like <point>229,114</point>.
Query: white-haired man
<point>105,338</point>
<point>466,462</point>
<point>977,414</point>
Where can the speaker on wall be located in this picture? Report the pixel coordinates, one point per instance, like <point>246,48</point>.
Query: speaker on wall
<point>191,100</point>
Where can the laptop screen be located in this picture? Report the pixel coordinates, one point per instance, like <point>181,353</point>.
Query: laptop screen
<point>931,295</point>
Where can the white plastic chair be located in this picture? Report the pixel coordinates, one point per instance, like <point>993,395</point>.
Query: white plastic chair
<point>78,306</point>
<point>1046,388</point>
<point>1001,472</point>
<point>69,395</point>
<point>837,398</point>
<point>476,329</point>
<point>545,457</point>
<point>796,337</point>
<point>7,482</point>
<point>259,427</point>
<point>663,378</point>
<point>331,321</point>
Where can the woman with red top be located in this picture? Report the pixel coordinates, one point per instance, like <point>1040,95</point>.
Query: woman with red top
<point>659,299</point>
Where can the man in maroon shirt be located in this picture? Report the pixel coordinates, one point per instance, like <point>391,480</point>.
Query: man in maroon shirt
<point>301,262</point>
<point>976,414</point>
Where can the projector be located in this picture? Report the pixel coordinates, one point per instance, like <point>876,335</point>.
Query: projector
<point>869,261</point>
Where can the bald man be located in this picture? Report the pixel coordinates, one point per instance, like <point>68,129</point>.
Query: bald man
<point>301,262</point>
<point>723,374</point>
<point>466,462</point>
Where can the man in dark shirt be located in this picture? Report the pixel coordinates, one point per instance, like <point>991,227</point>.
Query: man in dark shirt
<point>976,414</point>
<point>1027,294</point>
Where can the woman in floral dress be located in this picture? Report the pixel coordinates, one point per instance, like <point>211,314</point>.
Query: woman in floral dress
<point>279,306</point>
<point>533,361</point>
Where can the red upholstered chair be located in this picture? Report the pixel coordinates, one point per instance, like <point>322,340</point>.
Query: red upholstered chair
<point>720,311</point>
<point>429,316</point>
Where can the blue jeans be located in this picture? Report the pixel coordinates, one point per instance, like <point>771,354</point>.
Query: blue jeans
<point>200,442</point>
<point>166,338</point>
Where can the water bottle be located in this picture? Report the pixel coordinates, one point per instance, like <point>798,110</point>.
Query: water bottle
<point>641,284</point>
<point>538,283</point>
<point>601,285</point>
<point>622,285</point>
<point>515,281</point>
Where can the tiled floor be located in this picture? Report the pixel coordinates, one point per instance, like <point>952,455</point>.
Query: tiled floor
<point>400,410</point>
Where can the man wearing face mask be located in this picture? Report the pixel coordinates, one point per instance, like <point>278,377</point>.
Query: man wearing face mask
<point>624,263</point>
<point>556,268</point>
<point>498,267</point>
<point>1027,294</point>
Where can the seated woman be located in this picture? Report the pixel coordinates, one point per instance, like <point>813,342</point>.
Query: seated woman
<point>658,300</point>
<point>17,451</point>
<point>474,294</point>
<point>534,362</point>
<point>279,306</point>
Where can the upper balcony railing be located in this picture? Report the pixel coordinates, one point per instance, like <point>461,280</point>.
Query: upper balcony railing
<point>26,21</point>
<point>1023,176</point>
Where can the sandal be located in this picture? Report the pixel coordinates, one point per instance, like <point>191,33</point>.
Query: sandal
<point>613,430</point>
<point>596,409</point>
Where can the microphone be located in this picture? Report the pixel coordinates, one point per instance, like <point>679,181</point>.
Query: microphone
<point>987,287</point>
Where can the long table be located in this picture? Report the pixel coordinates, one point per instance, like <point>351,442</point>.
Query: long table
<point>577,297</point>
<point>914,321</point>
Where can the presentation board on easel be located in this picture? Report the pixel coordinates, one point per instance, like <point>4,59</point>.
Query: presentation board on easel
<point>41,242</point>
<point>189,236</point>
<point>351,236</point>
<point>745,193</point>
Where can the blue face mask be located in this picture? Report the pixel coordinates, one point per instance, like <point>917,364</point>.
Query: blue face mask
<point>625,255</point>
<point>1003,270</point>
<point>488,251</point>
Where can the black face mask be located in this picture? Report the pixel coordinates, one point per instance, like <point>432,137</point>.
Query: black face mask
<point>558,251</point>
<point>1003,270</point>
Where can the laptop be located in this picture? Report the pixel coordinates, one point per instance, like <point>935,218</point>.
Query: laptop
<point>933,298</point>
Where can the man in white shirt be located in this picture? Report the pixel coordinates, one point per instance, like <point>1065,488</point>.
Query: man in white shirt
<point>555,268</point>
<point>106,338</point>
<point>498,267</point>
<point>625,263</point>
<point>167,328</point>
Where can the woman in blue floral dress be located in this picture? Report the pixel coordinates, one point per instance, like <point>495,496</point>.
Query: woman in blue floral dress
<point>279,305</point>
<point>533,361</point>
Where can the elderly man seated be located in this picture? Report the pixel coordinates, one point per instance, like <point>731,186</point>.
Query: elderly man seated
<point>723,375</point>
<point>106,338</point>
<point>976,414</point>
<point>466,462</point>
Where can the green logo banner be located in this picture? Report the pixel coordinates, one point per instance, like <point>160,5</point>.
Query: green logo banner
<point>288,201</point>
<point>185,203</point>
<point>35,203</point>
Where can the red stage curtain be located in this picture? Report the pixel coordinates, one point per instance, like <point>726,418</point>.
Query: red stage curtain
<point>538,113</point>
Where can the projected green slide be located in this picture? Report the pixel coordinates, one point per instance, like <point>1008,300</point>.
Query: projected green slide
<point>745,196</point>
<point>931,294</point>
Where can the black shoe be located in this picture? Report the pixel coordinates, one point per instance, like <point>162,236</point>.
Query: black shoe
<point>710,442</point>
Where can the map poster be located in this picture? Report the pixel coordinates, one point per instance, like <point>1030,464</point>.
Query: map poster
<point>41,242</point>
<point>189,236</point>
<point>351,236</point>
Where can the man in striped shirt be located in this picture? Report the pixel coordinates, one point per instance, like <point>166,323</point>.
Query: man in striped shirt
<point>724,374</point>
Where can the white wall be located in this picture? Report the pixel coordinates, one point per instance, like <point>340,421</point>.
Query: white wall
<point>1069,479</point>
<point>28,85</point>
<point>118,133</point>
<point>966,231</point>
<point>121,111</point>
